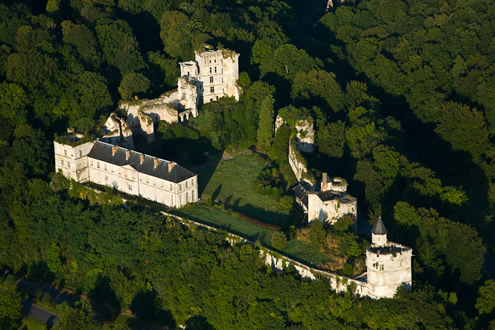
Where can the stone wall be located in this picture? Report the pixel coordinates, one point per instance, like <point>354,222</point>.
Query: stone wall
<point>296,164</point>
<point>278,262</point>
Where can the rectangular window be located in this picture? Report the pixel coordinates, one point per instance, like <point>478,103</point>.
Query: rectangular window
<point>65,152</point>
<point>98,164</point>
<point>212,89</point>
<point>130,187</point>
<point>211,79</point>
<point>210,69</point>
<point>215,69</point>
<point>105,166</point>
<point>170,187</point>
<point>186,184</point>
<point>187,197</point>
<point>80,153</point>
<point>62,162</point>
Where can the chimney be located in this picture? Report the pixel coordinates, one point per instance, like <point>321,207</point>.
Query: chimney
<point>141,159</point>
<point>127,154</point>
<point>114,150</point>
<point>155,163</point>
<point>171,166</point>
<point>324,181</point>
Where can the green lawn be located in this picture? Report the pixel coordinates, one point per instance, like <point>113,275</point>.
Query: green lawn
<point>32,324</point>
<point>232,182</point>
<point>299,250</point>
<point>222,219</point>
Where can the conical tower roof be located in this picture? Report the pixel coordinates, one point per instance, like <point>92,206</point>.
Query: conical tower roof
<point>379,228</point>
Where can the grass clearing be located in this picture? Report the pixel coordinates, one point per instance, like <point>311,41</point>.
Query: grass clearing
<point>232,182</point>
<point>224,220</point>
<point>32,324</point>
<point>299,250</point>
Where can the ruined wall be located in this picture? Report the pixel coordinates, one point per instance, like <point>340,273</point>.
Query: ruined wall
<point>117,132</point>
<point>140,122</point>
<point>296,163</point>
<point>332,210</point>
<point>305,137</point>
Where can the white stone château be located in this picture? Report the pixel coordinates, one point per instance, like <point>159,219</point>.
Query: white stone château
<point>131,172</point>
<point>388,264</point>
<point>328,202</point>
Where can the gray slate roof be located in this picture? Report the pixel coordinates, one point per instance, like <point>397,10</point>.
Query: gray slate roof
<point>103,151</point>
<point>379,228</point>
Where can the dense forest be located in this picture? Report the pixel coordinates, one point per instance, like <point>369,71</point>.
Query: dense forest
<point>402,93</point>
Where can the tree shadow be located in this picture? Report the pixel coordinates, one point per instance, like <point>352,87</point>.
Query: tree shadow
<point>104,300</point>
<point>198,323</point>
<point>216,193</point>
<point>146,305</point>
<point>41,271</point>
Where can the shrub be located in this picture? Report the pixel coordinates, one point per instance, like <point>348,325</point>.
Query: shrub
<point>348,270</point>
<point>279,240</point>
<point>317,233</point>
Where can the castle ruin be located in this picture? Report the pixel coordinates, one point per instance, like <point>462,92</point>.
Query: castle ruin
<point>212,75</point>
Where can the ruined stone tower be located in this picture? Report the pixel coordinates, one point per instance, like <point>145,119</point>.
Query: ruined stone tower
<point>214,73</point>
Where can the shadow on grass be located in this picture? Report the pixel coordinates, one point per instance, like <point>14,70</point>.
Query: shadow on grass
<point>273,218</point>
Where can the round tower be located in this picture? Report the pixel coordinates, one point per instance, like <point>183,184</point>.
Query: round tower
<point>388,264</point>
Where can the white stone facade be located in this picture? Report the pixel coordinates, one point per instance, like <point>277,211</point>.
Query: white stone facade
<point>215,73</point>
<point>326,202</point>
<point>388,264</point>
<point>72,161</point>
<point>330,207</point>
<point>128,171</point>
